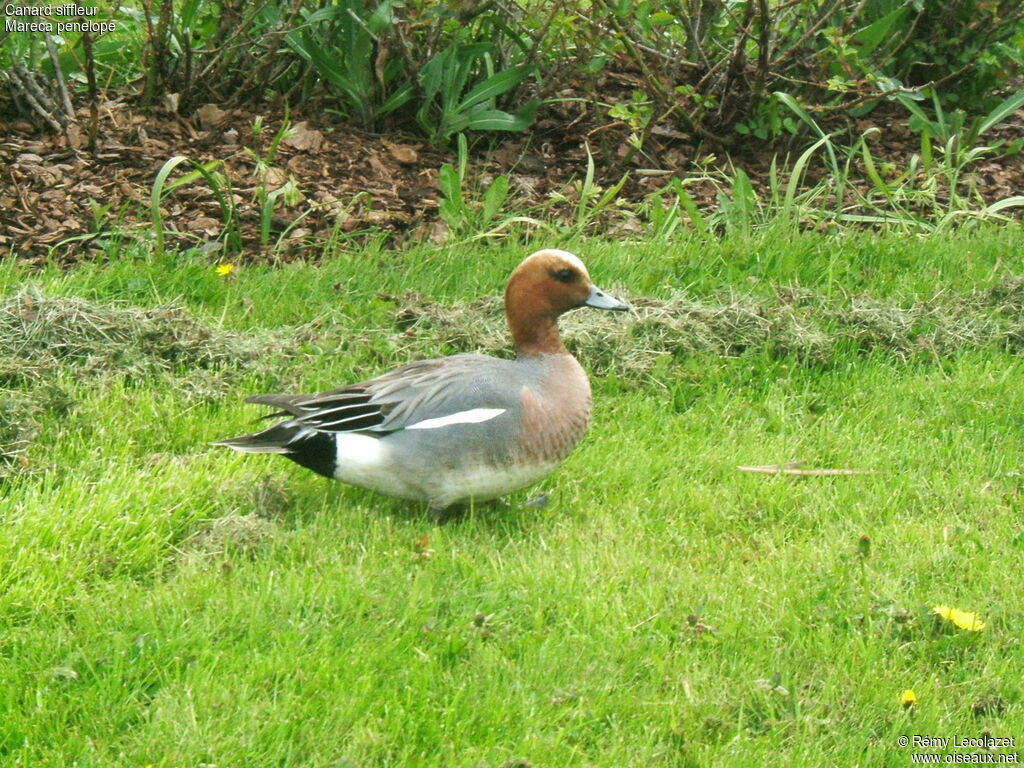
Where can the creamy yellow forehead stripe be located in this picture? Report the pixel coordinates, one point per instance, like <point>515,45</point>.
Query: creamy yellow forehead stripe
<point>571,259</point>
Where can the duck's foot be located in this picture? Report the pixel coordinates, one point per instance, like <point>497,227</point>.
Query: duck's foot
<point>440,515</point>
<point>538,502</point>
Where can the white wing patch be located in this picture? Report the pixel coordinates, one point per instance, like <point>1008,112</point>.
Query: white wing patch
<point>475,416</point>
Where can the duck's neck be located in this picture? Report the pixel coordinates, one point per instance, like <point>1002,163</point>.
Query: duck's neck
<point>536,335</point>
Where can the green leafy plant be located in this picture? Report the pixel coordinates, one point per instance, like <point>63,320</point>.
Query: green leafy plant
<point>288,192</point>
<point>928,194</point>
<point>666,215</point>
<point>766,122</point>
<point>469,213</point>
<point>338,41</point>
<point>636,114</point>
<point>710,68</point>
<point>265,159</point>
<point>219,183</point>
<point>736,208</point>
<point>461,88</point>
<point>591,198</point>
<point>950,142</point>
<point>958,135</point>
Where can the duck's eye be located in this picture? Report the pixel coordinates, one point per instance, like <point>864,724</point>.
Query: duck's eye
<point>565,275</point>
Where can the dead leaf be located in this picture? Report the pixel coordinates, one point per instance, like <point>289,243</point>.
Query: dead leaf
<point>404,154</point>
<point>378,167</point>
<point>210,116</point>
<point>274,178</point>
<point>438,233</point>
<point>663,129</point>
<point>204,225</point>
<point>304,138</point>
<point>75,139</point>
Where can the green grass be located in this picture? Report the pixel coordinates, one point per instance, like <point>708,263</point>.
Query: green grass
<point>166,603</point>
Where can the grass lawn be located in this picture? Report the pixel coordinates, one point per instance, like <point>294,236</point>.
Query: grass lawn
<point>166,603</point>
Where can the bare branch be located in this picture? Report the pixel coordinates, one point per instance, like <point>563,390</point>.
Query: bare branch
<point>59,75</point>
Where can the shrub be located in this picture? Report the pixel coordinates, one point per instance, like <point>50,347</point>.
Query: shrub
<point>705,67</point>
<point>709,66</point>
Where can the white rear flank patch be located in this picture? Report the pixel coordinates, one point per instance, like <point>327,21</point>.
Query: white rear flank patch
<point>474,416</point>
<point>358,452</point>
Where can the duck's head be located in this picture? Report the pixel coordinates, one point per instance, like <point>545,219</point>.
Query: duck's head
<point>547,284</point>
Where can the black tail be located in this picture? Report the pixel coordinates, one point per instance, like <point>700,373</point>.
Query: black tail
<point>311,448</point>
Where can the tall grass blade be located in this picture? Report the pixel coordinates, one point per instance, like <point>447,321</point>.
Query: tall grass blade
<point>837,175</point>
<point>692,209</point>
<point>155,196</point>
<point>221,190</point>
<point>1016,201</point>
<point>1001,112</point>
<point>872,171</point>
<point>495,86</point>
<point>796,176</point>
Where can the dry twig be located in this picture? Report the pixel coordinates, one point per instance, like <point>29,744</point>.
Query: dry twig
<point>794,468</point>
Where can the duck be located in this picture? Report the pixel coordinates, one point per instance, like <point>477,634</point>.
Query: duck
<point>460,429</point>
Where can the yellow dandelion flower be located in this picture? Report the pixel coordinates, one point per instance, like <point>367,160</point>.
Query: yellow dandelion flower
<point>225,269</point>
<point>908,698</point>
<point>962,619</point>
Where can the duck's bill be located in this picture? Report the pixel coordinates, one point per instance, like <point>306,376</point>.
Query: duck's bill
<point>602,300</point>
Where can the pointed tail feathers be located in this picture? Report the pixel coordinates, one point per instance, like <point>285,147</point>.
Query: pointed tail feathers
<point>279,438</point>
<point>309,447</point>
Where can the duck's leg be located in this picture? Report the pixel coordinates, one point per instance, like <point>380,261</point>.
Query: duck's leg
<point>439,515</point>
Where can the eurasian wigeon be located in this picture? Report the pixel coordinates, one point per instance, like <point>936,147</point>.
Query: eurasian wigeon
<point>456,429</point>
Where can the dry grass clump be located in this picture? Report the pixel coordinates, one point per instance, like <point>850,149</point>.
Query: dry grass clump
<point>238,534</point>
<point>797,324</point>
<point>20,415</point>
<point>1007,298</point>
<point>1007,295</point>
<point>940,326</point>
<point>628,344</point>
<point>42,338</point>
<point>234,533</point>
<point>18,428</point>
<point>41,335</point>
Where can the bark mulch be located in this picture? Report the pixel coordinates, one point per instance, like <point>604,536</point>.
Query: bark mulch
<point>60,202</point>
